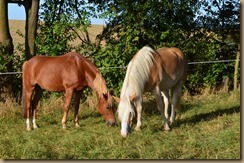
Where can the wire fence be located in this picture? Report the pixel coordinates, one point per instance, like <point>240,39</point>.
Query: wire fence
<point>124,67</point>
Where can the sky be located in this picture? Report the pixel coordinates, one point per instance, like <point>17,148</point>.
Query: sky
<point>16,12</point>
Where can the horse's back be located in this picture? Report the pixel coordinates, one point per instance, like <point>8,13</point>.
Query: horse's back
<point>48,64</point>
<point>55,73</point>
<point>173,59</point>
<point>172,53</point>
<point>42,59</point>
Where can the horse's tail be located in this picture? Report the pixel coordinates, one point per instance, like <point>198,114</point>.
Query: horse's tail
<point>24,103</point>
<point>24,113</point>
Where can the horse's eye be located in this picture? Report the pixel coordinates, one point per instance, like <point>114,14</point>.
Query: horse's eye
<point>110,106</point>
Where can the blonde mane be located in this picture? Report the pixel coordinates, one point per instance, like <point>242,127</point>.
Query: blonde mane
<point>100,85</point>
<point>137,75</point>
<point>138,72</point>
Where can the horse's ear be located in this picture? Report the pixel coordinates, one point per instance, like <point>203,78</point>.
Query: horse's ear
<point>117,99</point>
<point>105,96</point>
<point>132,97</point>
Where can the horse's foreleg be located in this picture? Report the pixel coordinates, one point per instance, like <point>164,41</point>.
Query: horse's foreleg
<point>139,119</point>
<point>76,107</point>
<point>165,95</point>
<point>37,97</point>
<point>175,101</point>
<point>158,96</point>
<point>68,97</point>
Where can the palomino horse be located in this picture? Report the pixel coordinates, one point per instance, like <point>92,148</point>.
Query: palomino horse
<point>71,73</point>
<point>160,71</point>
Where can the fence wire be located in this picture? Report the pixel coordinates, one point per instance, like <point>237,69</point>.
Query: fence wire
<point>124,67</point>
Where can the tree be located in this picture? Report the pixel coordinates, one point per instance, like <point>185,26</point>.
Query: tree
<point>6,49</point>
<point>31,9</point>
<point>6,43</point>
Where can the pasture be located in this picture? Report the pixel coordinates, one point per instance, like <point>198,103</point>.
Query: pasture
<point>208,127</point>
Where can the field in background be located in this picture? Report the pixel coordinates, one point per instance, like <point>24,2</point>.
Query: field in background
<point>208,128</point>
<point>16,25</point>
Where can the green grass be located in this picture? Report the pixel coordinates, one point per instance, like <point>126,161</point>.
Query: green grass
<point>208,128</point>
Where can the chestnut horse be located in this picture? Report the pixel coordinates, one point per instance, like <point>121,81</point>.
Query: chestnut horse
<point>160,71</point>
<point>70,73</point>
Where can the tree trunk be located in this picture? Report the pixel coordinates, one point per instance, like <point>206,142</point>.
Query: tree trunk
<point>31,8</point>
<point>6,49</point>
<point>236,67</point>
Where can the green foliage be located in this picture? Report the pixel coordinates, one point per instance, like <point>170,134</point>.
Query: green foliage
<point>112,66</point>
<point>3,67</point>
<point>17,60</point>
<point>215,38</point>
<point>2,59</point>
<point>59,23</point>
<point>55,39</point>
<point>132,25</point>
<point>6,65</point>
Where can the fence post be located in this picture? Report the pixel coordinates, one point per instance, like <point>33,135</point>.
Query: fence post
<point>236,67</point>
<point>226,84</point>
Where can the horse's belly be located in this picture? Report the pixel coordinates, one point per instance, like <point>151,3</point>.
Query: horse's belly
<point>50,82</point>
<point>165,85</point>
<point>51,86</point>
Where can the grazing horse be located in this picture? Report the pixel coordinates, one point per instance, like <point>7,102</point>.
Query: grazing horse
<point>160,71</point>
<point>69,73</point>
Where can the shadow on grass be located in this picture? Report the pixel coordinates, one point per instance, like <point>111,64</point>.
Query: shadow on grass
<point>150,109</point>
<point>209,116</point>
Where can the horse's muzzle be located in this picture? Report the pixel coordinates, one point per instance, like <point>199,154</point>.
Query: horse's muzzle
<point>110,123</point>
<point>124,134</point>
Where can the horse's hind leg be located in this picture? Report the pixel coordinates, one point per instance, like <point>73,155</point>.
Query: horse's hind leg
<point>68,97</point>
<point>176,95</point>
<point>36,99</point>
<point>76,107</point>
<point>165,95</point>
<point>28,96</point>
<point>158,96</point>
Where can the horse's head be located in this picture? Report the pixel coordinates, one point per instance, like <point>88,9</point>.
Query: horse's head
<point>106,108</point>
<point>105,100</point>
<point>126,114</point>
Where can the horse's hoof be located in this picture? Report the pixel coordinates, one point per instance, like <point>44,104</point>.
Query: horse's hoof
<point>77,125</point>
<point>173,124</point>
<point>28,129</point>
<point>35,127</point>
<point>166,128</point>
<point>138,129</point>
